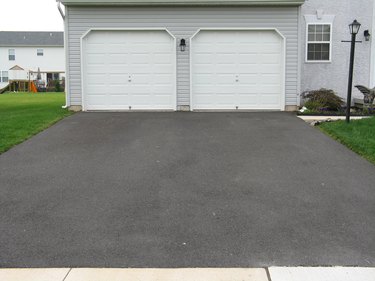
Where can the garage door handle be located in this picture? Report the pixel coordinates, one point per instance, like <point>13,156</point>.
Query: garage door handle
<point>130,79</point>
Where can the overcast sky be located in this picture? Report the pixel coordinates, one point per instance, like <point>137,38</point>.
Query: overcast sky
<point>30,15</point>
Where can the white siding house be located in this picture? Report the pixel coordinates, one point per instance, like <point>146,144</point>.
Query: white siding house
<point>30,51</point>
<point>210,54</point>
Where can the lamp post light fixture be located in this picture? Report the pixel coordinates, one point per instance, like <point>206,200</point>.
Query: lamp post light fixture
<point>354,29</point>
<point>182,45</point>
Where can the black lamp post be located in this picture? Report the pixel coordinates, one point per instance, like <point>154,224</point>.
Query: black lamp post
<point>354,28</point>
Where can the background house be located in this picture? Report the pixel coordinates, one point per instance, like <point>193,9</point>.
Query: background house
<point>22,54</point>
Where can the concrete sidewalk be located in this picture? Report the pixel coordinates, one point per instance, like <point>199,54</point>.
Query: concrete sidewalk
<point>193,274</point>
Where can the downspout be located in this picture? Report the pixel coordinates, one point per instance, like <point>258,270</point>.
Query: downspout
<point>66,78</point>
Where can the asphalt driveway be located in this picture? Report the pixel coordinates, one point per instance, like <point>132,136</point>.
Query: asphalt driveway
<point>185,190</point>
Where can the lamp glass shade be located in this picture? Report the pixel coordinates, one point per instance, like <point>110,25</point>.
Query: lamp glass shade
<point>354,27</point>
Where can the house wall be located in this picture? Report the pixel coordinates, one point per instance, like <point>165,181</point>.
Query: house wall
<point>372,71</point>
<point>182,22</point>
<point>53,59</point>
<point>334,75</point>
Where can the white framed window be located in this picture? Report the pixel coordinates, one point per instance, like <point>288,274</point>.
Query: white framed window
<point>4,76</point>
<point>40,52</point>
<point>12,54</point>
<point>319,42</point>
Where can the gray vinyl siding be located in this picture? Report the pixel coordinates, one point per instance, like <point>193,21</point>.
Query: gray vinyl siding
<point>183,22</point>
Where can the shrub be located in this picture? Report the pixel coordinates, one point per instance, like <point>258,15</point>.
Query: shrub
<point>57,86</point>
<point>313,105</point>
<point>323,99</point>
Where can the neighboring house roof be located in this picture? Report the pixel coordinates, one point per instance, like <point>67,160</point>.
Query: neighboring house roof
<point>16,67</point>
<point>182,2</point>
<point>37,38</point>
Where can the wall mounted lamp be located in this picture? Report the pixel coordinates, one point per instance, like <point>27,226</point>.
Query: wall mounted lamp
<point>367,35</point>
<point>183,45</point>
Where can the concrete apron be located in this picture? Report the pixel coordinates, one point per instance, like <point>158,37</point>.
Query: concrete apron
<point>310,118</point>
<point>192,274</point>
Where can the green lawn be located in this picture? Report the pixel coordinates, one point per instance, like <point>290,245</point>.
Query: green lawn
<point>23,115</point>
<point>359,135</point>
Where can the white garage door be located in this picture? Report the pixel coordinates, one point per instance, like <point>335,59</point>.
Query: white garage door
<point>237,70</point>
<point>126,70</point>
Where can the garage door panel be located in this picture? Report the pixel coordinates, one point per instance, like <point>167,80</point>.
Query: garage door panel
<point>271,48</point>
<point>249,68</point>
<point>266,89</point>
<point>206,69</point>
<point>225,68</point>
<point>116,70</point>
<point>271,79</point>
<point>270,100</point>
<point>119,100</point>
<point>97,100</point>
<point>140,79</point>
<point>164,100</point>
<point>161,68</point>
<point>203,78</point>
<point>134,68</point>
<point>205,89</point>
<point>247,58</point>
<point>224,79</point>
<point>164,48</point>
<point>248,81</point>
<point>95,48</point>
<point>98,78</point>
<point>95,58</point>
<point>225,58</point>
<point>115,59</point>
<point>249,48</point>
<point>271,58</point>
<point>248,89</point>
<point>225,98</point>
<point>162,59</point>
<point>205,58</point>
<point>97,89</point>
<point>269,69</point>
<point>116,78</point>
<point>248,100</point>
<point>241,68</point>
<point>144,59</point>
<point>204,102</point>
<point>115,49</point>
<point>163,79</point>
<point>204,48</point>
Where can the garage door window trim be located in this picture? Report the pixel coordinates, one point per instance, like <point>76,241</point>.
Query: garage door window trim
<point>283,71</point>
<point>85,35</point>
